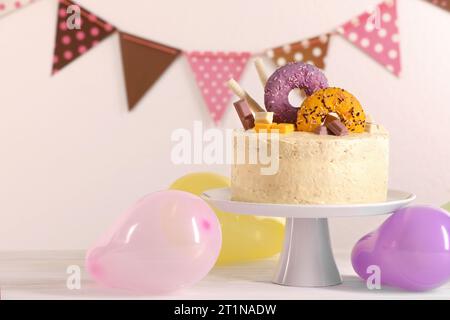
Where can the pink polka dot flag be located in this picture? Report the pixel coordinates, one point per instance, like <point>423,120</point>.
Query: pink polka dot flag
<point>74,37</point>
<point>212,70</point>
<point>376,33</point>
<point>9,6</point>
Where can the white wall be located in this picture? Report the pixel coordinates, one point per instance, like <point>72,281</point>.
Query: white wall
<point>73,158</point>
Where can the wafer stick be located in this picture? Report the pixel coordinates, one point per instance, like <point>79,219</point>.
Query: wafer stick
<point>259,64</point>
<point>241,93</point>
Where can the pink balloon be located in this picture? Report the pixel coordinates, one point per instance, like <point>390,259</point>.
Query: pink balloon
<point>168,240</point>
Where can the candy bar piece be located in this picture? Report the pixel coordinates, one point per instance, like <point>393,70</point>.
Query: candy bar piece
<point>329,118</point>
<point>321,130</point>
<point>263,117</point>
<point>285,127</point>
<point>370,127</point>
<point>337,128</point>
<point>249,122</point>
<point>374,128</point>
<point>242,108</point>
<point>244,113</point>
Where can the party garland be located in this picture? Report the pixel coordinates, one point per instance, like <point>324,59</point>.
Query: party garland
<point>375,32</point>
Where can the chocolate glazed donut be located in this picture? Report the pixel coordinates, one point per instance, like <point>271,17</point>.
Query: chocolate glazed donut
<point>291,76</point>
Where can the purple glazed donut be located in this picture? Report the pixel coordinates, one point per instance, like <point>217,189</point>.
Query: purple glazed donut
<point>283,80</point>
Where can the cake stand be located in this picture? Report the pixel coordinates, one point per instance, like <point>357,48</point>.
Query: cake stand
<point>307,259</point>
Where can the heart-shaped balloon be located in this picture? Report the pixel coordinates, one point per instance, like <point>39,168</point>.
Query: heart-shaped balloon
<point>168,240</point>
<point>244,237</point>
<point>411,249</point>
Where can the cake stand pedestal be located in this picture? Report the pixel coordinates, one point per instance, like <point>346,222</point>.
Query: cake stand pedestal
<point>307,258</point>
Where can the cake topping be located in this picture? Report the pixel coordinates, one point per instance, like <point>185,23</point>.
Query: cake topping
<point>261,71</point>
<point>263,117</point>
<point>285,127</point>
<point>291,76</point>
<point>326,110</point>
<point>369,118</point>
<point>337,127</point>
<point>266,127</point>
<point>275,127</point>
<point>241,93</point>
<point>321,130</point>
<point>374,128</point>
<point>244,113</point>
<point>329,118</point>
<point>316,107</point>
<point>370,127</point>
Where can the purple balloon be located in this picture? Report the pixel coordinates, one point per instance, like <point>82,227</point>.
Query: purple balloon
<point>411,248</point>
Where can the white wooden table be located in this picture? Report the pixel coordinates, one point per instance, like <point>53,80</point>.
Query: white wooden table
<point>42,275</point>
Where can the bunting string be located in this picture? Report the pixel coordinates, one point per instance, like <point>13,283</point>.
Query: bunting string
<point>9,6</point>
<point>375,32</point>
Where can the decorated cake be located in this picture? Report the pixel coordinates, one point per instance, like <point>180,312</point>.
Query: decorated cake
<point>327,151</point>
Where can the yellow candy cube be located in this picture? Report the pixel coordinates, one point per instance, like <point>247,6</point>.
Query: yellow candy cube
<point>281,127</point>
<point>285,127</point>
<point>263,126</point>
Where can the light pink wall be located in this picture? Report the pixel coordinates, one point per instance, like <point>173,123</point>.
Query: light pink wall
<point>73,158</point>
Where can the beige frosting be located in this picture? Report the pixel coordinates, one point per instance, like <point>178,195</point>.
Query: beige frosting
<point>317,169</point>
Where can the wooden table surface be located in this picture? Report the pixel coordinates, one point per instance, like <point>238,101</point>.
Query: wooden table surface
<point>43,275</point>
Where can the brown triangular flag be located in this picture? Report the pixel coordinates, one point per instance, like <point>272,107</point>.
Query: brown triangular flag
<point>311,51</point>
<point>144,62</point>
<point>74,36</point>
<point>444,4</point>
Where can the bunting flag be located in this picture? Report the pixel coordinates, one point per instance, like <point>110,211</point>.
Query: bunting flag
<point>376,33</point>
<point>444,4</point>
<point>313,51</point>
<point>143,62</point>
<point>77,31</point>
<point>9,6</point>
<point>212,70</point>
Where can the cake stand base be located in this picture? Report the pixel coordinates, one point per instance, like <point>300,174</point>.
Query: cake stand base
<point>307,259</point>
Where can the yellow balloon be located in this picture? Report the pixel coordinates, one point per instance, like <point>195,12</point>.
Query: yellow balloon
<point>244,237</point>
<point>446,206</point>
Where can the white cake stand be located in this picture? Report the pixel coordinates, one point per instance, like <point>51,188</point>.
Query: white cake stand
<point>307,259</point>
